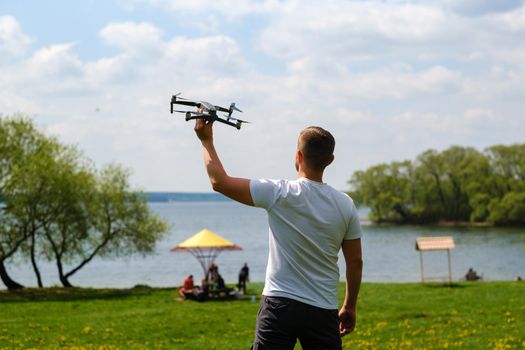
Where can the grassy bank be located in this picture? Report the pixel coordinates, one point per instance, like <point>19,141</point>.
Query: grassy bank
<point>485,315</point>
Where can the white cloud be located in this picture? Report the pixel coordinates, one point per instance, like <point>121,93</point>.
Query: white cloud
<point>426,129</point>
<point>138,38</point>
<point>13,42</point>
<point>390,79</point>
<point>55,60</point>
<point>122,113</point>
<point>392,82</point>
<point>109,70</point>
<point>478,114</point>
<point>512,20</point>
<point>481,7</point>
<point>349,117</point>
<point>205,57</point>
<point>344,28</point>
<point>230,9</point>
<point>49,70</point>
<point>11,103</point>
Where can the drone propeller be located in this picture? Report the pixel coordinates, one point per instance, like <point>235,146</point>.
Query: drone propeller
<point>233,108</point>
<point>176,97</point>
<point>191,112</point>
<point>237,120</point>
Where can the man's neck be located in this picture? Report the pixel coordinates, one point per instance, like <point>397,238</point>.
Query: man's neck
<point>313,176</point>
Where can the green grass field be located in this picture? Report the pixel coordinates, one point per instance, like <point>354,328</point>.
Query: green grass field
<point>481,315</point>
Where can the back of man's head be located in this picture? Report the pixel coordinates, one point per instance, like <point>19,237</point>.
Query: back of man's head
<point>317,146</point>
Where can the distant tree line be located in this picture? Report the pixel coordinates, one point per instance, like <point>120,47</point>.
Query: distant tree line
<point>56,206</point>
<point>458,184</point>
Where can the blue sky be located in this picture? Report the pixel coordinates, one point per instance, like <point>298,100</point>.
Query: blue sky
<point>390,79</point>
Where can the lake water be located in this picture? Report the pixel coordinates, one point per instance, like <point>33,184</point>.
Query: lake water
<point>389,251</point>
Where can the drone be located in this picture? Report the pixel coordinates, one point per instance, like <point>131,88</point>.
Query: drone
<point>208,111</point>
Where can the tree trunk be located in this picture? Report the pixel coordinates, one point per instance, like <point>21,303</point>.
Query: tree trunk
<point>33,262</point>
<point>457,198</point>
<point>440,193</point>
<point>88,259</point>
<point>402,212</point>
<point>63,278</point>
<point>9,283</point>
<point>65,282</point>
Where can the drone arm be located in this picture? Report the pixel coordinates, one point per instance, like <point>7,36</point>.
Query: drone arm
<point>235,188</point>
<point>235,125</point>
<point>186,103</point>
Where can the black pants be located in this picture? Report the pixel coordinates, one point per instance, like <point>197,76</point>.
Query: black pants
<point>242,284</point>
<point>281,321</point>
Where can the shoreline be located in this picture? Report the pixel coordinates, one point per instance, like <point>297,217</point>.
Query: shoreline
<point>55,293</point>
<point>441,223</point>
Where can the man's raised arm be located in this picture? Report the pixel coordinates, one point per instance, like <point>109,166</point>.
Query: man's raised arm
<point>236,188</point>
<point>354,267</point>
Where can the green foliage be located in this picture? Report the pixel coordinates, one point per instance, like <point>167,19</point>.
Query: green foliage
<point>480,207</point>
<point>59,207</point>
<point>509,210</point>
<point>385,188</point>
<point>457,184</point>
<point>20,145</point>
<point>122,217</point>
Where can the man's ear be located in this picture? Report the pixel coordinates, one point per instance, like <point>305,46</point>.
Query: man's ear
<point>332,157</point>
<point>299,156</point>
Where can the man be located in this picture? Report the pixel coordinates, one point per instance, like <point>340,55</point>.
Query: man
<point>309,222</point>
<point>244,276</point>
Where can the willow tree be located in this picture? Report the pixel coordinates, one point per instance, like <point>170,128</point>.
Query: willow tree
<point>58,207</point>
<point>103,217</point>
<point>457,184</point>
<point>55,189</point>
<point>20,143</point>
<point>386,189</point>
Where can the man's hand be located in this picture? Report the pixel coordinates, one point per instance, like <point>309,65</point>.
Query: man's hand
<point>354,266</point>
<point>204,130</point>
<point>346,321</point>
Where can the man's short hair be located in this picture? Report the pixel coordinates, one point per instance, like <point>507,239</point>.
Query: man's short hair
<point>317,146</point>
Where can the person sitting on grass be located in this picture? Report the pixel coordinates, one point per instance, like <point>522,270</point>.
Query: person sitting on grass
<point>192,292</point>
<point>212,275</point>
<point>205,286</point>
<point>221,290</point>
<point>186,291</point>
<point>472,275</point>
<point>220,282</point>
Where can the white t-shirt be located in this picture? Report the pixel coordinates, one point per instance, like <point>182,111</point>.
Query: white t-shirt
<point>308,222</point>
